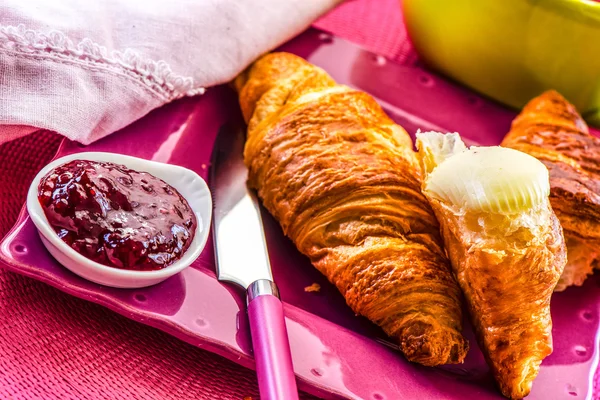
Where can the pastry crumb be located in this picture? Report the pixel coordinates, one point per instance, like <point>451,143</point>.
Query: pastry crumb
<point>315,287</point>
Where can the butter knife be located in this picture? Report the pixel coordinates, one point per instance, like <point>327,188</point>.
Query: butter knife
<point>242,258</point>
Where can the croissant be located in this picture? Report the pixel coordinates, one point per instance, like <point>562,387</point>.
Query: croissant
<point>550,129</point>
<point>342,180</point>
<point>505,245</point>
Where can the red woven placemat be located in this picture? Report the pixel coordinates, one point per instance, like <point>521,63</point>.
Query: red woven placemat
<point>54,346</point>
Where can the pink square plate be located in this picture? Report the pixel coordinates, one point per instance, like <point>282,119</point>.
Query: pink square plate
<point>335,353</point>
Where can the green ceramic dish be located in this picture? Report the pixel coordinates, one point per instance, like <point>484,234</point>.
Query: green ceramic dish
<point>513,50</point>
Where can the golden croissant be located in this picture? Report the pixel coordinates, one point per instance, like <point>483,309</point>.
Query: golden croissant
<point>342,180</point>
<point>550,129</point>
<point>505,245</point>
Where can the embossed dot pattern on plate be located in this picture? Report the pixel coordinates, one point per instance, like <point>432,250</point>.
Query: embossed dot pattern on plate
<point>201,323</point>
<point>474,101</point>
<point>426,80</point>
<point>587,315</point>
<point>379,60</point>
<point>19,248</point>
<point>580,350</point>
<point>325,38</point>
<point>140,297</point>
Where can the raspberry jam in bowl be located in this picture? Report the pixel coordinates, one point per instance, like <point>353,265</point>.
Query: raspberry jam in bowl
<point>120,221</point>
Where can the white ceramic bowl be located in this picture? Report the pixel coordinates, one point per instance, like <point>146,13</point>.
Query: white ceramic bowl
<point>187,182</point>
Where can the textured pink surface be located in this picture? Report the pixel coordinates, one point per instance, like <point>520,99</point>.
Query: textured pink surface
<point>56,346</point>
<point>376,25</point>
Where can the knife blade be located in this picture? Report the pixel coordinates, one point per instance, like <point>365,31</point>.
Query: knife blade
<point>242,258</point>
<point>241,250</point>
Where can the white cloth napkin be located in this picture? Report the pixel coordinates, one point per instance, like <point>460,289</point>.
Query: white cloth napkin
<point>87,68</point>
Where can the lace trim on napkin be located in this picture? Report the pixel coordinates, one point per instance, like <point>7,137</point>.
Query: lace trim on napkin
<point>155,74</point>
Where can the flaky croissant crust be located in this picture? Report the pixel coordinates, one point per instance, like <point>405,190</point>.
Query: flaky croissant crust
<point>507,278</point>
<point>550,129</point>
<point>344,183</point>
<point>507,255</point>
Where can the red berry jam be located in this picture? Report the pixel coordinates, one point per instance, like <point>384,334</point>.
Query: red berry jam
<point>116,216</point>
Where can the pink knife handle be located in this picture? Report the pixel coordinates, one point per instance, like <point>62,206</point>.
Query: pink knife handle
<point>274,368</point>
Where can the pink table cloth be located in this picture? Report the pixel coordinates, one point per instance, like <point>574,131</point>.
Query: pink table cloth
<point>54,346</point>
